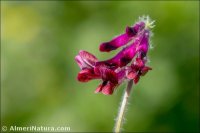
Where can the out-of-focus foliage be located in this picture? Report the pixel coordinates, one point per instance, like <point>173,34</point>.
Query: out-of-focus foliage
<point>39,41</point>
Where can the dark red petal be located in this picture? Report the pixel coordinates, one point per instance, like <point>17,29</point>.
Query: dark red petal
<point>126,55</point>
<point>108,63</point>
<point>87,74</point>
<point>132,75</point>
<point>121,75</point>
<point>130,31</point>
<point>145,70</point>
<point>111,76</point>
<point>106,74</point>
<point>139,62</point>
<point>100,87</point>
<point>136,79</point>
<point>125,60</point>
<point>88,58</point>
<point>122,58</point>
<point>107,47</point>
<point>108,89</point>
<point>114,43</point>
<point>135,67</point>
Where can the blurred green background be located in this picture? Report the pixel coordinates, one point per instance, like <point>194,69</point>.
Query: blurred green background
<point>39,41</point>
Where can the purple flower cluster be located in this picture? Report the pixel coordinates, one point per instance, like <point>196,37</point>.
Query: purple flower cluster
<point>114,71</point>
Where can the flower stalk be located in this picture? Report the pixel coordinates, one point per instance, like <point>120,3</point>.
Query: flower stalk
<point>123,107</point>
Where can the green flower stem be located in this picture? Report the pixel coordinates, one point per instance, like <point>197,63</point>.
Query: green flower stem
<point>123,106</point>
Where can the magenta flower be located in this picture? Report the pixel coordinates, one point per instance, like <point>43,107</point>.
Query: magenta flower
<point>122,39</point>
<point>114,71</point>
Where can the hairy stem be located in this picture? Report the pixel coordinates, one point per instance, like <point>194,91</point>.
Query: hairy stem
<point>123,106</point>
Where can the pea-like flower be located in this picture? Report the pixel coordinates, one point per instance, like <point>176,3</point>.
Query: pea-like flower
<point>115,70</point>
<point>122,39</point>
<point>89,71</point>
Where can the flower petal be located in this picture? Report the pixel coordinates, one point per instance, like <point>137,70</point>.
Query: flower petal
<point>89,58</point>
<point>139,26</point>
<point>122,58</point>
<point>99,88</point>
<point>139,62</point>
<point>145,70</point>
<point>80,62</point>
<point>132,75</point>
<point>115,43</point>
<point>144,45</point>
<point>121,75</point>
<point>130,31</point>
<point>86,75</point>
<point>106,74</point>
<point>136,79</point>
<point>108,89</point>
